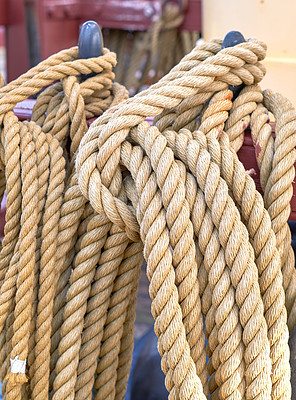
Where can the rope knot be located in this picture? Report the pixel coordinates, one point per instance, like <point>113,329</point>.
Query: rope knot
<point>79,200</point>
<point>99,195</point>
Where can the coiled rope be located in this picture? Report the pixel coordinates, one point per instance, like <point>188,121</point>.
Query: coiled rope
<point>84,205</point>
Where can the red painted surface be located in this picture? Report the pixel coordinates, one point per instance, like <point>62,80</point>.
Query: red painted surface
<point>16,40</point>
<point>60,20</point>
<point>59,23</point>
<point>117,14</point>
<point>248,157</point>
<point>3,12</point>
<point>2,36</point>
<point>192,20</point>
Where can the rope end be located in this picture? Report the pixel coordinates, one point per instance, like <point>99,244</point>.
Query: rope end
<point>16,379</point>
<point>17,375</point>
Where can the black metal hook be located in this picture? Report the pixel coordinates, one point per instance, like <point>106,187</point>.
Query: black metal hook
<point>233,38</point>
<point>90,42</point>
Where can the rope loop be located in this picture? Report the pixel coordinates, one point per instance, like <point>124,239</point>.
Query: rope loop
<point>197,87</point>
<point>85,204</point>
<point>44,204</point>
<point>96,157</point>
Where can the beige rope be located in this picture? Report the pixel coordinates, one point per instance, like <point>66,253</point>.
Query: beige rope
<point>134,109</point>
<point>276,199</point>
<point>84,205</point>
<point>44,205</point>
<point>146,56</point>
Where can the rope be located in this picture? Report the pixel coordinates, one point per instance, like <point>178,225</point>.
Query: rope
<point>85,204</point>
<point>146,56</point>
<point>44,207</point>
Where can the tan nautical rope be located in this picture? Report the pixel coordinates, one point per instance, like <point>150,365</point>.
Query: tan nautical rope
<point>232,235</point>
<point>44,215</point>
<point>146,56</point>
<point>84,206</point>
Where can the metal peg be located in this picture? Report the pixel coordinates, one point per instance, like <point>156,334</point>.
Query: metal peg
<point>90,42</point>
<point>231,39</point>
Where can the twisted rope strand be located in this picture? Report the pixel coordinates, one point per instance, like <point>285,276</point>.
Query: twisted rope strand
<point>165,307</point>
<point>267,258</point>
<point>24,291</point>
<point>47,263</point>
<point>43,160</point>
<point>194,167</point>
<point>83,205</point>
<point>97,307</point>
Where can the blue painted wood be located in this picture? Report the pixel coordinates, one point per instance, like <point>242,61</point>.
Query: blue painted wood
<point>146,378</point>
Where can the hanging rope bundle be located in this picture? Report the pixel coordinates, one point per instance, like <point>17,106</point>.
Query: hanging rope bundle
<point>211,247</point>
<point>146,56</point>
<point>46,213</point>
<point>84,205</point>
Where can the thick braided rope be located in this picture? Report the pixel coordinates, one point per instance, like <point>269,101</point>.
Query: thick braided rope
<point>12,226</point>
<point>47,268</point>
<point>194,156</point>
<point>248,106</point>
<point>127,342</point>
<point>165,308</point>
<point>56,336</point>
<point>190,107</point>
<point>116,335</point>
<point>97,308</point>
<point>43,162</point>
<point>137,108</point>
<point>5,368</point>
<point>277,199</point>
<point>207,234</point>
<point>209,243</point>
<point>52,73</point>
<point>51,110</point>
<point>105,79</point>
<point>181,240</point>
<point>97,140</point>
<point>78,292</point>
<point>275,312</point>
<point>220,287</point>
<point>71,212</point>
<point>35,255</point>
<point>60,57</point>
<point>238,120</point>
<point>24,284</point>
<point>277,307</point>
<point>109,357</point>
<point>11,143</point>
<point>259,226</point>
